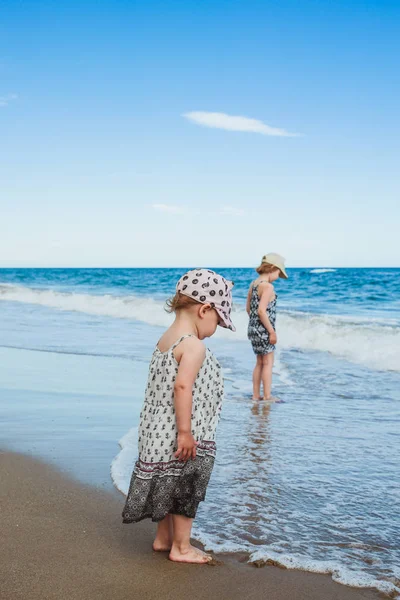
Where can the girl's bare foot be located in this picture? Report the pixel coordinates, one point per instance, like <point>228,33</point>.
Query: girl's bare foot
<point>189,555</point>
<point>163,539</point>
<point>162,543</point>
<point>160,547</point>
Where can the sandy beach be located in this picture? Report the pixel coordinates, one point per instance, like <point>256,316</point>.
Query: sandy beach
<point>64,540</point>
<point>226,171</point>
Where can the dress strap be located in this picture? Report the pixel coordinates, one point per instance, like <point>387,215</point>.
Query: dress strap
<point>262,281</point>
<point>187,335</point>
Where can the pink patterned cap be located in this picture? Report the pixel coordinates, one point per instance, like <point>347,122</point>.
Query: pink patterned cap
<point>208,287</point>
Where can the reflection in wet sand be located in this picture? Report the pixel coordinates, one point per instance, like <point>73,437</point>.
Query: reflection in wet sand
<point>259,431</point>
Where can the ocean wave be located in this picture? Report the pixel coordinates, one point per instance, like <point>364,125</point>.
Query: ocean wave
<point>339,572</point>
<point>373,344</point>
<point>323,270</point>
<point>141,308</point>
<point>267,554</point>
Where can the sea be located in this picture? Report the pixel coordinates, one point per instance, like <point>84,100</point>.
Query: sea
<point>311,482</point>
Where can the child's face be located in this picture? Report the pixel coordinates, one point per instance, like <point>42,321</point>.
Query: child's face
<point>207,322</point>
<point>274,275</point>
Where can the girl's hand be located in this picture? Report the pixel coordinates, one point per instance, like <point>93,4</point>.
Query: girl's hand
<point>187,446</point>
<point>272,338</point>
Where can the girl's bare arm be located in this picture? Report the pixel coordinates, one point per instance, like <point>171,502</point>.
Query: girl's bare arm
<point>248,300</point>
<point>190,358</point>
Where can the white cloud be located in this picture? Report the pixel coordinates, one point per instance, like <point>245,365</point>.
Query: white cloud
<point>168,208</point>
<point>232,211</point>
<point>5,100</point>
<point>235,123</point>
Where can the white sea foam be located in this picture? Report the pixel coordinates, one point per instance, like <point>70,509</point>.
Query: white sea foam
<point>142,308</point>
<point>122,465</point>
<point>322,270</point>
<point>339,572</point>
<point>372,343</point>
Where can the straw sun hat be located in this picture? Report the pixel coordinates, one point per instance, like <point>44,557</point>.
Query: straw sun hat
<point>275,260</point>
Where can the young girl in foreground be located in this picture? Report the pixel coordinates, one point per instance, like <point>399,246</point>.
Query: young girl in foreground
<point>179,417</point>
<point>261,307</point>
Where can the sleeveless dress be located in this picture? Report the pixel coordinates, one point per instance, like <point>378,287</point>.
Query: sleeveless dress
<point>160,483</point>
<point>257,334</point>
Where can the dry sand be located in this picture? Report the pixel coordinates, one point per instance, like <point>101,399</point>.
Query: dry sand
<point>65,541</point>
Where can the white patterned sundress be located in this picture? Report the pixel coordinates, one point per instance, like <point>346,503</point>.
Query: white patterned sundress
<point>160,483</point>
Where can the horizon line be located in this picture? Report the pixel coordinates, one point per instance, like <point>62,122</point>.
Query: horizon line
<point>199,267</point>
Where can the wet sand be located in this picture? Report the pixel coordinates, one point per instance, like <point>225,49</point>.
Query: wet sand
<point>64,540</point>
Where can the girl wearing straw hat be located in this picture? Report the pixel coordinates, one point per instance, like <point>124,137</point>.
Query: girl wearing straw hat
<point>261,308</point>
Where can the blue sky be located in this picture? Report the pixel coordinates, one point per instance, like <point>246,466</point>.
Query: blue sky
<point>100,167</point>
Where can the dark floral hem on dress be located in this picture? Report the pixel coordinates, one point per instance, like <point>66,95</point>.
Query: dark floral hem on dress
<point>176,487</point>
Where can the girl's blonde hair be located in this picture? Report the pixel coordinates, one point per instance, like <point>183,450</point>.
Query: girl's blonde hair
<point>265,268</point>
<point>178,302</point>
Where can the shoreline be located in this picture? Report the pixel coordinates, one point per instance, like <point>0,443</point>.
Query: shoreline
<point>63,539</point>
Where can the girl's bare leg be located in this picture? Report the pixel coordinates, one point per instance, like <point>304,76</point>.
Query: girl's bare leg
<point>257,378</point>
<point>182,550</point>
<point>266,374</point>
<point>163,539</point>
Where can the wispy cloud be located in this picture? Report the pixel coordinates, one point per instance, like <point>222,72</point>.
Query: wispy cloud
<point>5,100</point>
<point>235,123</point>
<point>168,208</point>
<point>232,211</point>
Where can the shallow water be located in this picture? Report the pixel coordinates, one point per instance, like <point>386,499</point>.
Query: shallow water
<point>312,481</point>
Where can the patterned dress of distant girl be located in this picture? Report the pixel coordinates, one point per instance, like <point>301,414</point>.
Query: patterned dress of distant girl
<point>261,308</point>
